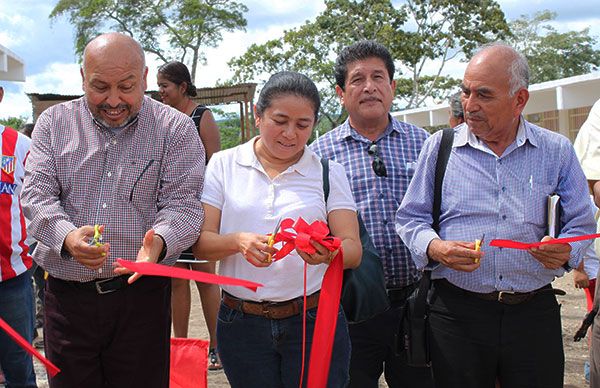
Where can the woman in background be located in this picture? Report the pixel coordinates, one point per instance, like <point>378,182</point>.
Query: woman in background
<point>176,89</point>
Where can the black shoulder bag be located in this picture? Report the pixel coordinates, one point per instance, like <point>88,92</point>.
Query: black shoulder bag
<point>413,332</point>
<point>363,289</point>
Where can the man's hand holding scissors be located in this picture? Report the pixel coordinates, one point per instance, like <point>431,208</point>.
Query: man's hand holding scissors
<point>459,255</point>
<point>77,244</point>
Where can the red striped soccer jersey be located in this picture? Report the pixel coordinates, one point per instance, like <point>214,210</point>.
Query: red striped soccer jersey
<point>14,252</point>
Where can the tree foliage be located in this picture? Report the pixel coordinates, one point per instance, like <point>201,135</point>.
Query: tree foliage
<point>419,34</point>
<point>13,122</point>
<point>170,29</point>
<point>552,54</point>
<point>229,127</point>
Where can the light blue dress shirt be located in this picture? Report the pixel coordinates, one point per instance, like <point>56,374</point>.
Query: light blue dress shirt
<point>505,198</point>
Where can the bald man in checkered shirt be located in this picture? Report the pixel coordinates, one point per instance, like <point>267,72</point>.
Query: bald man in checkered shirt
<point>135,166</point>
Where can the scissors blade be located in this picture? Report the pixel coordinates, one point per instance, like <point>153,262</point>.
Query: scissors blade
<point>277,225</point>
<point>482,238</point>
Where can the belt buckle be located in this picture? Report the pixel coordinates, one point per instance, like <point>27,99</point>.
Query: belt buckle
<point>266,311</point>
<point>99,289</point>
<point>502,294</point>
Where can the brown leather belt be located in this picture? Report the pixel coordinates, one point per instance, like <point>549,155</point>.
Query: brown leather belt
<point>271,310</point>
<point>505,297</point>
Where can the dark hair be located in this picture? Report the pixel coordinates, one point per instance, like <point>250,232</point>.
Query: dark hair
<point>286,83</point>
<point>27,129</point>
<point>362,50</point>
<point>178,73</point>
<point>456,106</point>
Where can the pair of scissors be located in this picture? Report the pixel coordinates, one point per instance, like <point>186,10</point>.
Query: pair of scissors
<point>478,245</point>
<point>271,239</point>
<point>97,241</point>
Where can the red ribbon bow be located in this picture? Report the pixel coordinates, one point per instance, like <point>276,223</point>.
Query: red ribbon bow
<point>304,234</point>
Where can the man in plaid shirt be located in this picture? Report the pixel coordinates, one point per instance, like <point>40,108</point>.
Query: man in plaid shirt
<point>379,154</point>
<point>134,166</point>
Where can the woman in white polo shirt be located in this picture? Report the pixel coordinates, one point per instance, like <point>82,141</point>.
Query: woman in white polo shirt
<point>247,190</point>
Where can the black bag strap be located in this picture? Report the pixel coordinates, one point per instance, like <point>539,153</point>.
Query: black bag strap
<point>325,164</point>
<point>440,170</point>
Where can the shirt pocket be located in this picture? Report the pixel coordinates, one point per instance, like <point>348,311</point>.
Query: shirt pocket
<point>535,204</point>
<point>138,184</point>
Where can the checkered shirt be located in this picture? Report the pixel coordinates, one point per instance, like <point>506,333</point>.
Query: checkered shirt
<point>378,198</point>
<point>147,175</point>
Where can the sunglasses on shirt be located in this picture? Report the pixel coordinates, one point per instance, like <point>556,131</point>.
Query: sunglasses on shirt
<point>378,165</point>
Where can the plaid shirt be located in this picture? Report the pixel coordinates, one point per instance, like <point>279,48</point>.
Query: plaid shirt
<point>147,175</point>
<point>505,198</point>
<point>378,198</point>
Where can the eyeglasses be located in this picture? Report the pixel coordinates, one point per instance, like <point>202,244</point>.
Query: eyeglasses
<point>378,165</point>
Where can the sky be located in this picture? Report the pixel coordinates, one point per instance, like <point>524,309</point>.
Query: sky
<point>51,65</point>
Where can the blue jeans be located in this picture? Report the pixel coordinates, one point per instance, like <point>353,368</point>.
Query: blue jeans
<point>16,308</point>
<point>263,353</point>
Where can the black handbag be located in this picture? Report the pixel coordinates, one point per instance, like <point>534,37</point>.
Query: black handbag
<point>363,289</point>
<point>413,333</point>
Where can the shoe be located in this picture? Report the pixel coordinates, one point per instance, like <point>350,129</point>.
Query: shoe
<point>2,379</point>
<point>214,363</point>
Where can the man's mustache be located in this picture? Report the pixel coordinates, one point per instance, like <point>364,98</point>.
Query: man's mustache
<point>104,105</point>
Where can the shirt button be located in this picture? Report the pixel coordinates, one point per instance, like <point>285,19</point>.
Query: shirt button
<point>504,217</point>
<point>109,174</point>
<point>503,189</point>
<point>500,277</point>
<point>385,222</point>
<point>499,161</point>
<point>114,142</point>
<point>381,195</point>
<point>104,205</point>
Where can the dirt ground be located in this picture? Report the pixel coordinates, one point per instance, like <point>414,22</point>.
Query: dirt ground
<point>573,310</point>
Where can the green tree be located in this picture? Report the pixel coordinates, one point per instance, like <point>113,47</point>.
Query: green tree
<point>13,122</point>
<point>229,127</point>
<point>417,33</point>
<point>552,54</point>
<point>170,29</point>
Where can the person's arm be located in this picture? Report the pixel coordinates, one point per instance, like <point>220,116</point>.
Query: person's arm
<point>596,192</point>
<point>414,219</point>
<point>344,225</point>
<point>576,216</point>
<point>180,214</point>
<point>213,246</point>
<point>209,133</point>
<point>49,223</point>
<point>580,278</point>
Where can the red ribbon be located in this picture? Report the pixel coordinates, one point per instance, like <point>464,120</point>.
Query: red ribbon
<point>329,301</point>
<point>304,234</point>
<point>151,269</point>
<point>327,315</point>
<point>521,245</point>
<point>50,367</point>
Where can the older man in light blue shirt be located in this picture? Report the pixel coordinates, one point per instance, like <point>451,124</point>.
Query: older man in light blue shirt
<point>499,175</point>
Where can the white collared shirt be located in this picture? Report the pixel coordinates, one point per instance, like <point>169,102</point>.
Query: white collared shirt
<point>250,201</point>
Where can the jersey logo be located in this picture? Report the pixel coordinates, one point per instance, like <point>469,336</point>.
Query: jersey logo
<point>7,164</point>
<point>7,188</point>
